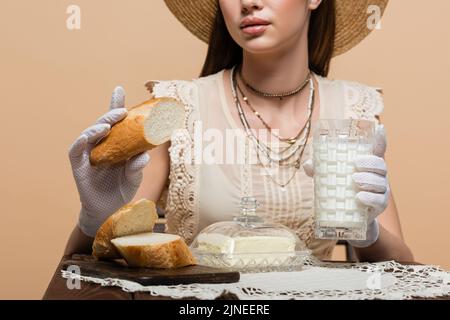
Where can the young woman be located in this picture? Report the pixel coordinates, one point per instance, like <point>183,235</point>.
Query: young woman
<point>266,69</point>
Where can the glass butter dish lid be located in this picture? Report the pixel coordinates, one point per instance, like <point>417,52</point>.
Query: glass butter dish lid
<point>249,244</point>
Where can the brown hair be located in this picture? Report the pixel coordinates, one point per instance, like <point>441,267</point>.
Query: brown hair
<point>224,52</point>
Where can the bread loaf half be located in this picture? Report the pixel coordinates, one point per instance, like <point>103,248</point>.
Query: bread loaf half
<point>145,127</point>
<point>132,218</point>
<point>154,250</point>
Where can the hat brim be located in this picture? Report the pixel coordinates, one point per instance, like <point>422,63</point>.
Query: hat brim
<point>352,19</point>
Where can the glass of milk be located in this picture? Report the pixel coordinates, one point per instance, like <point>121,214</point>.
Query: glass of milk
<point>336,143</point>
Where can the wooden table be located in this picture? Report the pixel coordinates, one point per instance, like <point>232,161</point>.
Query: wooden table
<point>57,290</point>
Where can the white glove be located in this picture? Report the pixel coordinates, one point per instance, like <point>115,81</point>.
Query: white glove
<point>371,178</point>
<point>103,190</point>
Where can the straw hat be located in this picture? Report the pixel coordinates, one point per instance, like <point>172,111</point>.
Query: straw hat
<point>351,19</point>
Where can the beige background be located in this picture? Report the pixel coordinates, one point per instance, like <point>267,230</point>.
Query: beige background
<point>55,82</point>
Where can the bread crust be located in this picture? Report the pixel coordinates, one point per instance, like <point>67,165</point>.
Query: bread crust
<point>102,248</point>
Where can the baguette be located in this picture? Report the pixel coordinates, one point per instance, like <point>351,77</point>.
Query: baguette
<point>145,127</point>
<point>154,250</point>
<point>132,218</point>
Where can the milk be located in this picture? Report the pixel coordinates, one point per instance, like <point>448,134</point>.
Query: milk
<point>338,213</point>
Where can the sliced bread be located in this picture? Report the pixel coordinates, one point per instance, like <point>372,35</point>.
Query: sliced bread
<point>145,127</point>
<point>154,250</point>
<point>133,218</point>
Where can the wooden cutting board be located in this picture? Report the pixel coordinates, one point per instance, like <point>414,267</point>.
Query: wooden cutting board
<point>91,267</point>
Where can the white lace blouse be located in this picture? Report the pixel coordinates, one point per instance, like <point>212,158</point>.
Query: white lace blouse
<point>201,192</point>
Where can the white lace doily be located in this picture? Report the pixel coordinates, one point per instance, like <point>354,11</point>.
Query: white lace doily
<point>318,280</point>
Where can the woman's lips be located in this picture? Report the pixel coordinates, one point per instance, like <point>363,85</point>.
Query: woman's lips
<point>255,29</point>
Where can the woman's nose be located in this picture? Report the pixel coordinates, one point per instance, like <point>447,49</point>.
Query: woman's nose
<point>249,5</point>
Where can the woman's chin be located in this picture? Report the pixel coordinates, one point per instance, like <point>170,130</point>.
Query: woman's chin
<point>258,45</point>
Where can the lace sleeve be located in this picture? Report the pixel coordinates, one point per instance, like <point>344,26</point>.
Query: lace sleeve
<point>182,91</point>
<point>179,197</point>
<point>363,102</point>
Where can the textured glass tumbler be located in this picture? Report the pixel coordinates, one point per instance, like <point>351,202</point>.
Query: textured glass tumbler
<point>336,143</point>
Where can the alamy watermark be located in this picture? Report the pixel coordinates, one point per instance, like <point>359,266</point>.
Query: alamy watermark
<point>73,281</point>
<point>229,146</point>
<point>374,19</point>
<point>73,21</point>
<point>373,282</point>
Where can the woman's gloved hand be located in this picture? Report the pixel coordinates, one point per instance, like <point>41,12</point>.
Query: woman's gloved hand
<point>103,190</point>
<point>371,179</point>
